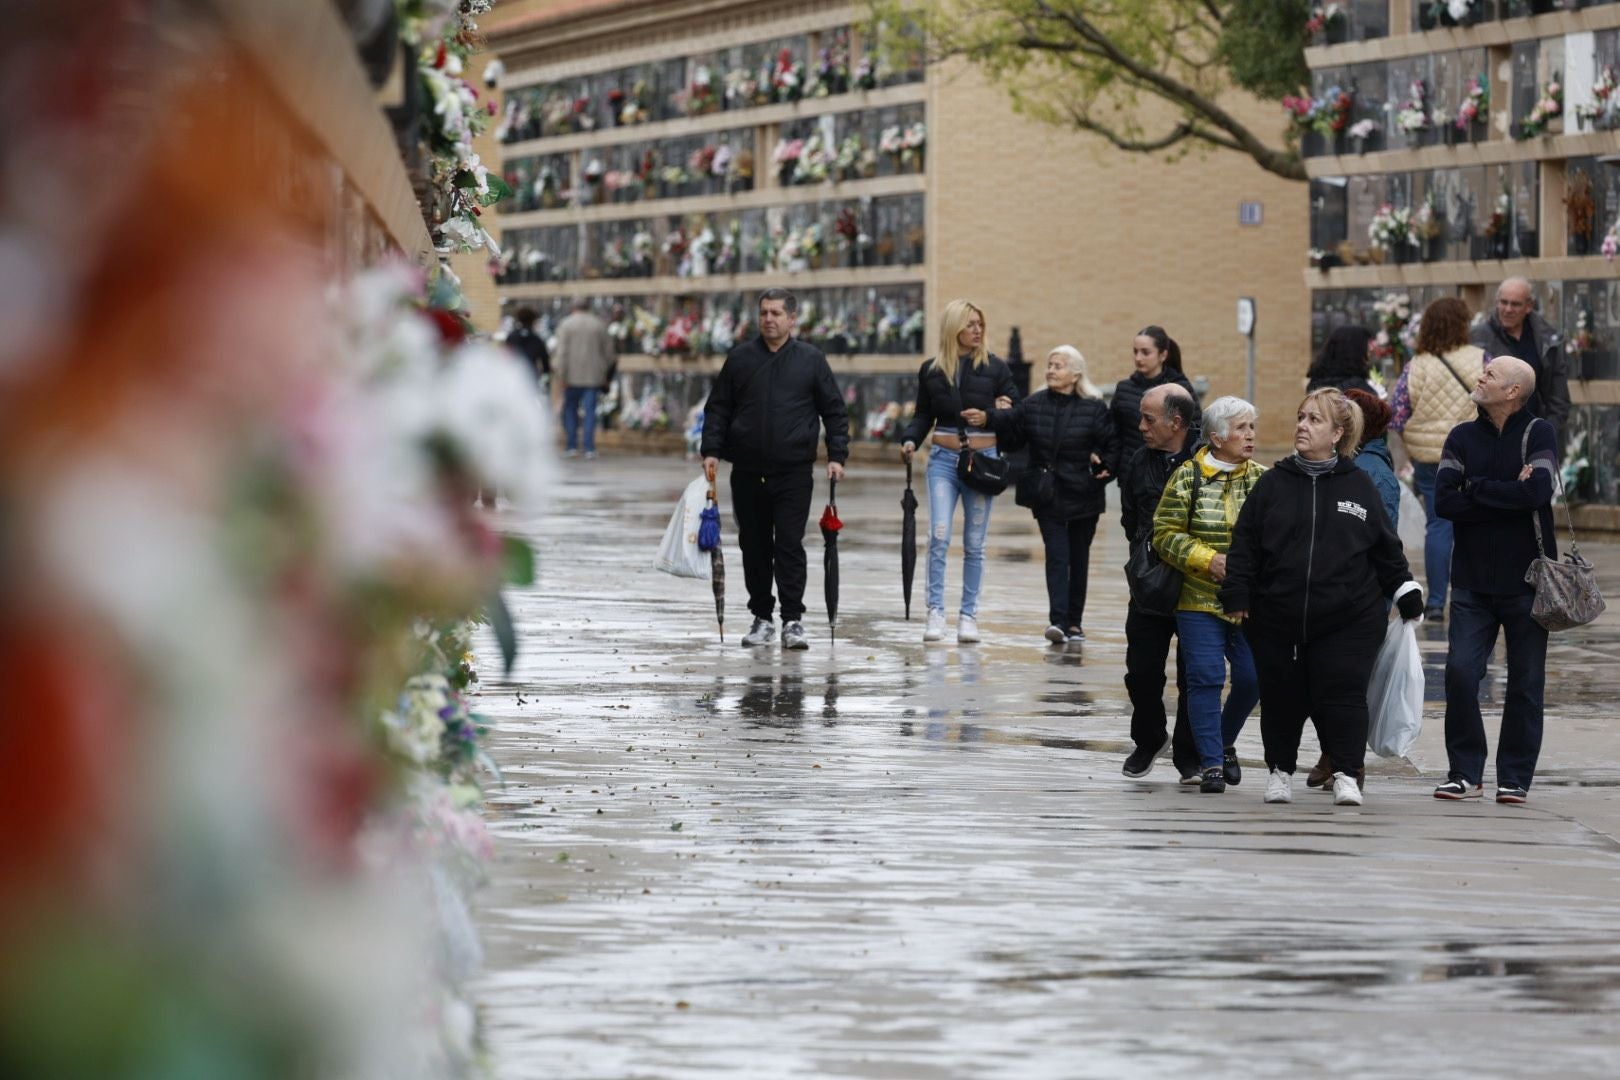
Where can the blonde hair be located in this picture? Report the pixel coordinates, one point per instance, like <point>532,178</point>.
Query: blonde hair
<point>1344,413</point>
<point>950,325</point>
<point>1077,367</point>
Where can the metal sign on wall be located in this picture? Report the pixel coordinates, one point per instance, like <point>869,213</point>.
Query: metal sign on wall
<point>1249,213</point>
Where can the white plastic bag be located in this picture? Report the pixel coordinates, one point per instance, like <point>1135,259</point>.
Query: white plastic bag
<point>678,554</point>
<point>1395,695</point>
<point>1414,522</point>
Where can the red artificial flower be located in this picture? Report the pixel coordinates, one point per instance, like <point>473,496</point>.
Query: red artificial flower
<point>452,329</point>
<point>440,57</point>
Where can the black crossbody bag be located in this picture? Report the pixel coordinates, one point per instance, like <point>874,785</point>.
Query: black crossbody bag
<point>981,471</point>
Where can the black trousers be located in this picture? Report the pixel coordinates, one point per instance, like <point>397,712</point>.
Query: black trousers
<point>1325,680</point>
<point>1147,647</point>
<point>1068,560</point>
<point>772,510</point>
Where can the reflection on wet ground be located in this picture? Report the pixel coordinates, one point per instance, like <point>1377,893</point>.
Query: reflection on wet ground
<point>878,859</point>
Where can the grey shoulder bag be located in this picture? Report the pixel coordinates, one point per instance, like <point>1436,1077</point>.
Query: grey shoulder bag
<point>1566,592</point>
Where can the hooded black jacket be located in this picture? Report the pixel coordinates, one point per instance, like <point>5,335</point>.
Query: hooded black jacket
<point>1127,405</point>
<point>1311,555</point>
<point>940,402</point>
<point>1086,429</point>
<point>766,409</point>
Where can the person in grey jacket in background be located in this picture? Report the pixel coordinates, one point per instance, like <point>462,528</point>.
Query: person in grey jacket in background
<point>583,365</point>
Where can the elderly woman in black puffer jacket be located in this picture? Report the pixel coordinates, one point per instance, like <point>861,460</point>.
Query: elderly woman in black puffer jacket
<point>1071,441</point>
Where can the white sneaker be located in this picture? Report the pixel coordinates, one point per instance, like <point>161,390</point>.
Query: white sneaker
<point>935,630</point>
<point>763,632</point>
<point>1346,792</point>
<point>967,629</point>
<point>1055,634</point>
<point>1280,786</point>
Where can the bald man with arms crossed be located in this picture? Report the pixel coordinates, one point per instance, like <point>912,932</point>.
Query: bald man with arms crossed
<point>1496,478</point>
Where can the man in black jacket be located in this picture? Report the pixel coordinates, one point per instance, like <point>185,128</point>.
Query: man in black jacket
<point>1515,328</point>
<point>764,413</point>
<point>1495,484</point>
<point>1169,414</point>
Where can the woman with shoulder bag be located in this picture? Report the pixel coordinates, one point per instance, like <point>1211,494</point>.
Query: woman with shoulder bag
<point>1432,397</point>
<point>1072,449</point>
<point>1192,530</point>
<point>956,391</point>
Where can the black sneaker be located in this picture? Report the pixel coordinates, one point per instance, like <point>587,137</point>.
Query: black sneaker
<point>1434,614</point>
<point>1191,777</point>
<point>1507,793</point>
<point>1140,762</point>
<point>1457,788</point>
<point>1230,767</point>
<point>1213,782</point>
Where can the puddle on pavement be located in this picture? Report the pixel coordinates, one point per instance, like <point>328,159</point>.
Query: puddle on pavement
<point>774,868</point>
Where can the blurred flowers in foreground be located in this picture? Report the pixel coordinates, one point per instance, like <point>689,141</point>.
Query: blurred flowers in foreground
<point>239,555</point>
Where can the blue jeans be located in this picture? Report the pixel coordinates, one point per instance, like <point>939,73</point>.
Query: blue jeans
<point>1436,537</point>
<point>1471,632</point>
<point>944,489</point>
<point>1208,643</point>
<point>573,398</point>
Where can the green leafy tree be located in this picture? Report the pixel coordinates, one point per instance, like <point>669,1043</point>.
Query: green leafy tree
<point>1149,76</point>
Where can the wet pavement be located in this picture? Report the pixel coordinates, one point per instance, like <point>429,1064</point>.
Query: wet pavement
<point>884,859</point>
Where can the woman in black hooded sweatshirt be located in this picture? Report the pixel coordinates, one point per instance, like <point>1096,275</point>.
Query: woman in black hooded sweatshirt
<point>1313,558</point>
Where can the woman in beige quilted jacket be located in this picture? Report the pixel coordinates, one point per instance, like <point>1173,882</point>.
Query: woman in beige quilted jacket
<point>1431,398</point>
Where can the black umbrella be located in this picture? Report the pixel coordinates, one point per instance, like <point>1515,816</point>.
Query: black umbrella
<point>829,559</point>
<point>908,539</point>
<point>709,540</point>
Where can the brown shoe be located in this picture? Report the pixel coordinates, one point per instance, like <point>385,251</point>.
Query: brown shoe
<point>1321,774</point>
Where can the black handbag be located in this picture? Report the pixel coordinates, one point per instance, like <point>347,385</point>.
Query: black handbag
<point>983,472</point>
<point>978,469</point>
<point>1156,585</point>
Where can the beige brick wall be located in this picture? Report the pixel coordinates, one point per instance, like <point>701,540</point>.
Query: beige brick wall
<point>1076,243</point>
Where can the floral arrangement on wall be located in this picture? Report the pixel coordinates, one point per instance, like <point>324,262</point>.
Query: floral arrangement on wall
<point>1476,103</point>
<point>439,37</point>
<point>1602,113</point>
<point>1391,229</point>
<point>1413,115</point>
<point>1548,107</point>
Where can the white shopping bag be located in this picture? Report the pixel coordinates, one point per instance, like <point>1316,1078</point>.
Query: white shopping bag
<point>678,554</point>
<point>1413,521</point>
<point>1395,695</point>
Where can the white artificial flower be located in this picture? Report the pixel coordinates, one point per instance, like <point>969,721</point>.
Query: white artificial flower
<point>489,406</point>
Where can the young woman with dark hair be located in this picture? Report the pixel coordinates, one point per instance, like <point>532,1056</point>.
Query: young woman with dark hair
<point>1158,361</point>
<point>1344,362</point>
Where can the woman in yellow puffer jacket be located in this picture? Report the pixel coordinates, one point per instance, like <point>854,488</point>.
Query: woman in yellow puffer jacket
<point>1431,398</point>
<point>1192,530</point>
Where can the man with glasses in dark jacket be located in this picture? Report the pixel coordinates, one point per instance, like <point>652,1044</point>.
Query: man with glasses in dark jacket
<point>1168,420</point>
<point>765,411</point>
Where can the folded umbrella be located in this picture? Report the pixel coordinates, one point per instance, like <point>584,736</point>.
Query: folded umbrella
<point>708,539</point>
<point>829,559</point>
<point>908,539</point>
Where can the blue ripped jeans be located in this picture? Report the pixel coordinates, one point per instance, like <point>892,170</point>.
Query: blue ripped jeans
<point>944,489</point>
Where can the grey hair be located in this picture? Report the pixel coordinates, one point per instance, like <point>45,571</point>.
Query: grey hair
<point>1076,363</point>
<point>1223,412</point>
<point>1529,287</point>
